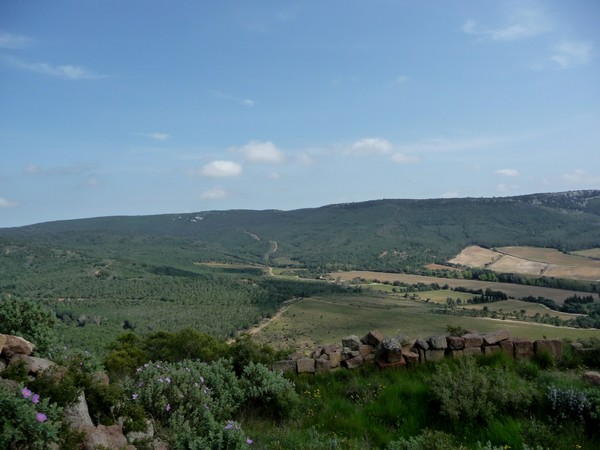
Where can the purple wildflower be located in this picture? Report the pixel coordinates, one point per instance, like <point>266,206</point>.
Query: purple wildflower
<point>140,384</point>
<point>35,398</point>
<point>26,393</point>
<point>168,380</point>
<point>229,425</point>
<point>168,408</point>
<point>41,417</point>
<point>249,441</point>
<point>134,396</point>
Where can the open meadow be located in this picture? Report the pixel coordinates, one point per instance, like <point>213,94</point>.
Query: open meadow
<point>326,319</point>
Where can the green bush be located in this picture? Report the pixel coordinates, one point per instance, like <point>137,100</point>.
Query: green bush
<point>28,420</point>
<point>468,393</point>
<point>28,320</point>
<point>427,440</point>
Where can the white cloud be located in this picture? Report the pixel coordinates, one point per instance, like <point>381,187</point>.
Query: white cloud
<point>521,24</point>
<point>13,41</point>
<point>581,177</point>
<point>214,194</point>
<point>156,136</point>
<point>68,71</point>
<point>4,203</point>
<point>304,159</point>
<point>221,169</point>
<point>508,172</point>
<point>242,101</point>
<point>569,54</point>
<point>402,158</point>
<point>371,146</point>
<point>261,152</point>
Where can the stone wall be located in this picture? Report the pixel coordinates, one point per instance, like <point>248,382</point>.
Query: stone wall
<point>401,351</point>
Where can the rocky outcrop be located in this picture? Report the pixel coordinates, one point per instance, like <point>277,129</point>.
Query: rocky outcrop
<point>14,345</point>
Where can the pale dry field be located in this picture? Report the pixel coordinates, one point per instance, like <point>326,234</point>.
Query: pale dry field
<point>475,256</point>
<point>550,256</point>
<point>512,264</point>
<point>591,253</point>
<point>512,290</point>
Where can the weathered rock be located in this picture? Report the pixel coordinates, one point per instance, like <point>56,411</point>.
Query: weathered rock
<point>473,340</point>
<point>100,377</point>
<point>352,342</point>
<point>373,338</point>
<point>285,365</point>
<point>490,349</point>
<point>576,346</point>
<point>421,354</point>
<point>330,348</point>
<point>347,353</point>
<point>354,363</point>
<point>455,342</point>
<point>523,348</point>
<point>134,436</point>
<point>494,338</point>
<point>438,342</point>
<point>34,365</point>
<point>369,359</point>
<point>105,436</point>
<point>2,341</point>
<point>322,365</point>
<point>77,415</point>
<point>335,358</point>
<point>364,350</point>
<point>15,345</point>
<point>296,356</point>
<point>473,351</point>
<point>552,346</point>
<point>434,355</point>
<point>316,352</point>
<point>411,357</point>
<point>305,365</point>
<point>158,444</point>
<point>455,353</point>
<point>507,347</point>
<point>391,350</point>
<point>405,341</point>
<point>422,344</point>
<point>592,377</point>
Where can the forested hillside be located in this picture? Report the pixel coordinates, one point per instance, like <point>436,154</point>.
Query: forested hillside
<point>375,235</point>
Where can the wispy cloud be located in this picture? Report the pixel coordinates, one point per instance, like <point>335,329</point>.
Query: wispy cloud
<point>242,101</point>
<point>581,177</point>
<point>569,54</point>
<point>4,203</point>
<point>13,41</point>
<point>67,72</point>
<point>402,158</point>
<point>219,169</point>
<point>507,172</point>
<point>401,79</point>
<point>91,182</point>
<point>521,24</point>
<point>71,169</point>
<point>370,146</point>
<point>261,152</point>
<point>453,144</point>
<point>156,136</point>
<point>214,194</point>
<point>505,188</point>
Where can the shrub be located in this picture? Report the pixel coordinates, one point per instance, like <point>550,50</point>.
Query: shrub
<point>567,404</point>
<point>468,393</point>
<point>28,420</point>
<point>427,440</point>
<point>28,320</point>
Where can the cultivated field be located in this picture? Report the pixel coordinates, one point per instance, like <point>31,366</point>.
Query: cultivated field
<point>326,319</point>
<point>533,261</point>
<point>512,290</point>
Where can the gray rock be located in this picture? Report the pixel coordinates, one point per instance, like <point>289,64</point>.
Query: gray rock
<point>354,363</point>
<point>422,344</point>
<point>490,349</point>
<point>285,365</point>
<point>134,436</point>
<point>352,342</point>
<point>473,340</point>
<point>434,355</point>
<point>373,338</point>
<point>305,365</point>
<point>34,365</point>
<point>322,365</point>
<point>438,342</point>
<point>494,338</point>
<point>552,346</point>
<point>523,348</point>
<point>77,415</point>
<point>593,377</point>
<point>455,342</point>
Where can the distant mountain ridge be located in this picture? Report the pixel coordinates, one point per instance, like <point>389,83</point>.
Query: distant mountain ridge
<point>385,234</point>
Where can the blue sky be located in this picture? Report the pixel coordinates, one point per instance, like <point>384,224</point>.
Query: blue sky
<point>112,107</point>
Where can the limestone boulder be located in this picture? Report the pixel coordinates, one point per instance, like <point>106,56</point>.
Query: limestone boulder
<point>77,415</point>
<point>438,342</point>
<point>455,353</point>
<point>434,355</point>
<point>455,342</point>
<point>16,345</point>
<point>523,348</point>
<point>285,366</point>
<point>490,349</point>
<point>354,363</point>
<point>552,346</point>
<point>335,358</point>
<point>35,366</point>
<point>322,365</point>
<point>472,351</point>
<point>473,340</point>
<point>422,344</point>
<point>410,356</point>
<point>593,377</point>
<point>374,338</point>
<point>305,365</point>
<point>507,347</point>
<point>104,436</point>
<point>391,350</point>
<point>494,338</point>
<point>364,350</point>
<point>352,342</point>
